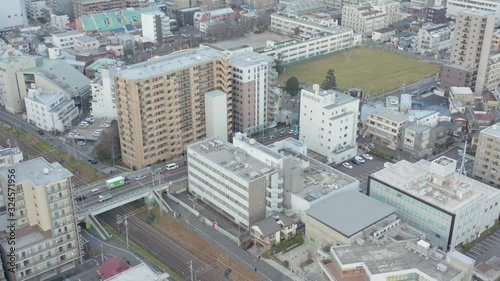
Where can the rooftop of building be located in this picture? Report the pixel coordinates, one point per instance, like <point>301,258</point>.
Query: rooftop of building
<point>340,98</point>
<point>86,39</point>
<point>46,99</point>
<point>63,75</point>
<point>358,212</point>
<point>461,91</point>
<point>390,115</point>
<point>28,237</point>
<point>421,113</point>
<point>317,25</point>
<point>113,19</point>
<point>101,63</point>
<point>272,224</point>
<point>385,30</point>
<point>224,156</point>
<point>493,130</point>
<point>67,34</point>
<point>489,97</point>
<point>438,183</point>
<point>9,151</point>
<point>215,13</point>
<point>417,128</point>
<point>170,63</point>
<point>215,93</point>
<point>394,257</point>
<point>38,171</point>
<point>476,12</point>
<point>249,59</point>
<point>138,272</point>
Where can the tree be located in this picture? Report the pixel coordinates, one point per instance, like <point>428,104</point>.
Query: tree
<point>330,82</point>
<point>296,31</point>
<point>292,86</point>
<point>108,145</point>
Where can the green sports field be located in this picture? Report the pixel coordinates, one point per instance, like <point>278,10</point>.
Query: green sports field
<point>373,70</point>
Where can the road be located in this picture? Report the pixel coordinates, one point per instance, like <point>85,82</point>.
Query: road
<point>420,86</point>
<point>93,199</point>
<point>160,246</point>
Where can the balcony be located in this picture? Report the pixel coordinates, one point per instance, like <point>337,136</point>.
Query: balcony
<point>274,190</point>
<point>276,209</point>
<point>274,199</point>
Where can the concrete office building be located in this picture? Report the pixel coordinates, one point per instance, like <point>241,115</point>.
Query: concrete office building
<point>103,104</point>
<point>35,9</point>
<point>216,114</point>
<point>65,40</point>
<point>13,15</point>
<point>255,102</point>
<point>450,208</point>
<point>365,19</point>
<point>328,123</point>
<point>471,45</point>
<point>10,156</point>
<point>493,72</point>
<point>486,165</point>
<point>432,38</point>
<point>161,103</point>
<point>248,181</point>
<point>155,26</point>
<point>454,7</point>
<point>47,238</point>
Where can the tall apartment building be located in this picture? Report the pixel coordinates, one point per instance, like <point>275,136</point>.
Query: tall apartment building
<point>35,9</point>
<point>13,15</point>
<point>155,26</point>
<point>493,71</point>
<point>328,123</point>
<point>366,18</point>
<point>248,181</point>
<point>86,7</point>
<point>161,103</point>
<point>486,166</point>
<point>103,104</point>
<point>432,38</point>
<point>454,7</point>
<point>450,208</point>
<point>253,88</point>
<point>471,45</point>
<point>47,238</point>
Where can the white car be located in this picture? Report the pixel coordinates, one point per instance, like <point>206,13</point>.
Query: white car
<point>371,145</point>
<point>347,165</point>
<point>98,131</point>
<point>82,143</point>
<point>360,159</point>
<point>140,177</point>
<point>106,124</point>
<point>97,134</point>
<point>367,157</point>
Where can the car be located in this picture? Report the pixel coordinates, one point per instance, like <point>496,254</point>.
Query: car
<point>98,131</point>
<point>359,159</point>
<point>263,139</point>
<point>291,132</point>
<point>370,145</point>
<point>106,124</point>
<point>356,162</point>
<point>90,120</point>
<point>271,137</point>
<point>140,177</point>
<point>92,161</point>
<point>347,165</point>
<point>282,133</point>
<point>97,134</point>
<point>249,244</point>
<point>82,143</point>
<point>80,198</point>
<point>367,156</point>
<point>74,134</point>
<point>40,132</point>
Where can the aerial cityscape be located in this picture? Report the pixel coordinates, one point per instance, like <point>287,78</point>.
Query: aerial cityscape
<point>210,140</point>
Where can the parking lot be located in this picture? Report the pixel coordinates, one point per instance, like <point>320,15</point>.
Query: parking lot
<point>487,248</point>
<point>87,133</point>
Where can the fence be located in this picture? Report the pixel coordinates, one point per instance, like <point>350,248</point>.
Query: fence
<point>227,234</point>
<point>189,208</point>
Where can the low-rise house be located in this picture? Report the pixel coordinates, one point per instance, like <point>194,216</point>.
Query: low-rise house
<point>489,101</point>
<point>383,34</point>
<point>86,43</point>
<point>416,140</point>
<point>270,231</point>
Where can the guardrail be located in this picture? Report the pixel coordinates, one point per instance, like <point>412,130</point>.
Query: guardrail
<point>186,206</point>
<point>227,234</point>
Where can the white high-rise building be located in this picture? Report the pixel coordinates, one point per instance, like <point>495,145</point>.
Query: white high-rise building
<point>103,95</point>
<point>328,123</point>
<point>215,111</point>
<point>13,14</point>
<point>155,26</point>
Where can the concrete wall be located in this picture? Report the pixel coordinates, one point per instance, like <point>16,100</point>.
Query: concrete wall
<point>321,233</point>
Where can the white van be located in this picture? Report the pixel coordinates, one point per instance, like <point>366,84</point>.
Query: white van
<point>95,191</point>
<point>171,166</point>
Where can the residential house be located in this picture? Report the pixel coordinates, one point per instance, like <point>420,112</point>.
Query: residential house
<point>270,231</point>
<point>489,101</point>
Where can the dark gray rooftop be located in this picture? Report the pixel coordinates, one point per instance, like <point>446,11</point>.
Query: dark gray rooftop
<point>349,212</point>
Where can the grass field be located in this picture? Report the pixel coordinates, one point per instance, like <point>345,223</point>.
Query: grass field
<point>373,70</point>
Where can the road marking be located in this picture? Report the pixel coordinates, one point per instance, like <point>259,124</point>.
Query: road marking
<point>479,249</point>
<point>494,239</point>
<point>470,254</point>
<point>486,242</point>
<point>482,247</point>
<point>478,253</point>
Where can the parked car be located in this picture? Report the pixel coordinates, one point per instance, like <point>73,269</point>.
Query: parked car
<point>98,131</point>
<point>40,132</point>
<point>92,161</point>
<point>83,124</point>
<point>106,124</point>
<point>347,165</point>
<point>249,244</point>
<point>291,132</point>
<point>97,134</point>
<point>90,120</point>
<point>359,159</point>
<point>356,162</point>
<point>74,134</point>
<point>370,145</point>
<point>282,133</point>
<point>140,177</point>
<point>367,157</point>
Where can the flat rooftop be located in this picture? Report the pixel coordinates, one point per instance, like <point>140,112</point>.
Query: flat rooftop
<point>358,212</point>
<point>247,59</point>
<point>28,237</point>
<point>9,151</point>
<point>493,130</point>
<point>392,257</point>
<point>233,160</point>
<point>138,272</point>
<point>413,179</point>
<point>34,171</point>
<point>390,115</point>
<point>340,98</point>
<point>170,63</point>
<point>253,40</point>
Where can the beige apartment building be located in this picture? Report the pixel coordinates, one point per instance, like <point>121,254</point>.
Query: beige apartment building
<point>86,7</point>
<point>471,45</point>
<point>47,238</point>
<point>487,164</point>
<point>161,103</point>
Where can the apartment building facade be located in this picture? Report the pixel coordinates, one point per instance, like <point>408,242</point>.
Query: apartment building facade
<point>13,15</point>
<point>486,166</point>
<point>328,123</point>
<point>255,102</point>
<point>103,104</point>
<point>172,86</point>
<point>365,19</point>
<point>86,7</point>
<point>450,208</point>
<point>205,19</point>
<point>34,9</point>
<point>432,38</point>
<point>454,7</point>
<point>471,45</point>
<point>493,72</point>
<point>65,40</point>
<point>385,126</point>
<point>10,156</point>
<point>155,26</point>
<point>45,220</point>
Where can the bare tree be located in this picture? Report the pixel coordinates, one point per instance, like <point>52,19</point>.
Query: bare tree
<point>107,148</point>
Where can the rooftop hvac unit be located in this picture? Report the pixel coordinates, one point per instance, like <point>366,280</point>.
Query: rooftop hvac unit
<point>212,144</point>
<point>254,175</point>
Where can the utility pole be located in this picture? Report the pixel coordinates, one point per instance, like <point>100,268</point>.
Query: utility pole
<point>191,269</point>
<point>102,254</point>
<point>126,230</point>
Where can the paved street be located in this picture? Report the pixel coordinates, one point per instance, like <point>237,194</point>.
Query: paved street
<point>487,248</point>
<point>419,87</point>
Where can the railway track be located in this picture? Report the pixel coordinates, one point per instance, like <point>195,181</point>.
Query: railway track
<point>163,248</point>
<point>31,152</point>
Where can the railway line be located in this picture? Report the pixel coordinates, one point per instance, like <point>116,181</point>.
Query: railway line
<point>163,248</point>
<point>30,152</point>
